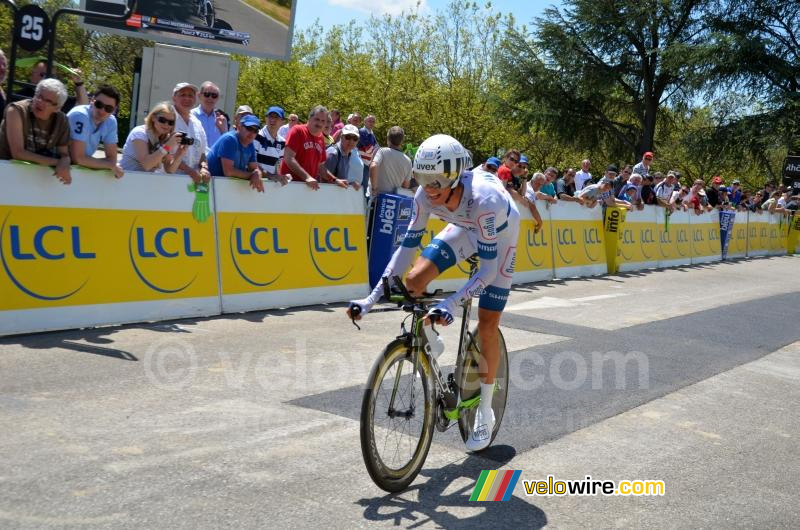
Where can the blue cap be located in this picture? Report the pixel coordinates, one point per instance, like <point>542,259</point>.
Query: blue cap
<point>276,110</point>
<point>249,121</point>
<point>523,159</point>
<point>493,161</point>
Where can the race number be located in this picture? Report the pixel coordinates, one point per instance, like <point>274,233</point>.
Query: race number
<point>31,27</point>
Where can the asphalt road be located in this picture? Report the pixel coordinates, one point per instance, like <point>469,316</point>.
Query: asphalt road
<point>249,421</point>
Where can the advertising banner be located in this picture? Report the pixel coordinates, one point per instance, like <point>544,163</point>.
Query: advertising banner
<point>638,246</point>
<point>705,243</point>
<point>758,234</point>
<point>673,238</point>
<point>101,250</point>
<point>614,224</point>
<point>577,240</point>
<point>793,238</point>
<point>534,261</point>
<point>737,246</point>
<point>726,224</point>
<point>289,246</point>
<point>392,217</point>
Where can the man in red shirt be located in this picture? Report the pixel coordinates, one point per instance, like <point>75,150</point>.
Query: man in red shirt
<point>304,155</point>
<point>510,161</point>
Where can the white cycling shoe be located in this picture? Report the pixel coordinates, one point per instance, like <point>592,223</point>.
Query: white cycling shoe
<point>482,429</point>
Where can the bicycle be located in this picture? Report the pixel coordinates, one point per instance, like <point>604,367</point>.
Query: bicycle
<point>406,371</point>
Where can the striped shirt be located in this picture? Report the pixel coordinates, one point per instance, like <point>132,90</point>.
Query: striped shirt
<point>269,151</point>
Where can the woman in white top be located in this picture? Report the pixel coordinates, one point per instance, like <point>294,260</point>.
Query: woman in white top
<point>155,146</point>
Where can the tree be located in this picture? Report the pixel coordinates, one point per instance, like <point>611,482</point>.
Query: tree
<point>597,72</point>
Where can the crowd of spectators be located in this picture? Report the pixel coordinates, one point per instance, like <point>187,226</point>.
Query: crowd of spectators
<point>190,135</point>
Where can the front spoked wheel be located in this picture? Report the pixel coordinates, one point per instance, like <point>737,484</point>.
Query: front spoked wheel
<point>397,417</point>
<point>469,384</point>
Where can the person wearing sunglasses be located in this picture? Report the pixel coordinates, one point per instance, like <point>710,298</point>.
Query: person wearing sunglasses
<point>94,123</point>
<point>234,154</point>
<point>214,125</point>
<point>510,161</point>
<point>35,130</point>
<point>482,219</point>
<point>184,99</point>
<point>155,146</point>
<point>643,167</point>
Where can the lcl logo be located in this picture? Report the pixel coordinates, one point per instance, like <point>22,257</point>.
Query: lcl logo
<point>334,242</point>
<point>150,246</point>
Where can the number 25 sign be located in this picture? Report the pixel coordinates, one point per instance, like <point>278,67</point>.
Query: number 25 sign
<point>31,27</point>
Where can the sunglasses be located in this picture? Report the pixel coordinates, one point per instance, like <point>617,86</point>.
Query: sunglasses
<point>648,158</point>
<point>212,95</point>
<point>102,106</point>
<point>162,119</point>
<point>252,129</point>
<point>514,160</point>
<point>351,138</point>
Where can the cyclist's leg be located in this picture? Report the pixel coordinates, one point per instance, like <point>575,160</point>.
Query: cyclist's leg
<point>450,246</point>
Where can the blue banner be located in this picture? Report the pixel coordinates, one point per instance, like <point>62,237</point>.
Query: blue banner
<point>389,225</point>
<point>726,220</point>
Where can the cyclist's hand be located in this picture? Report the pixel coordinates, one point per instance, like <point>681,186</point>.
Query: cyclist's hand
<point>440,316</point>
<point>355,311</point>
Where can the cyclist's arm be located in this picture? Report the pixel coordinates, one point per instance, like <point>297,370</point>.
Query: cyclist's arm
<point>402,257</point>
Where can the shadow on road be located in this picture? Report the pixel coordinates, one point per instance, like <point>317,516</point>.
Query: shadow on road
<point>427,502</point>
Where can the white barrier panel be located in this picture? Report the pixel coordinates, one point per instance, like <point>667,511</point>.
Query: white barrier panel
<point>778,232</point>
<point>101,250</point>
<point>705,241</point>
<point>638,247</point>
<point>673,232</point>
<point>577,240</point>
<point>290,245</point>
<point>758,234</point>
<point>737,246</point>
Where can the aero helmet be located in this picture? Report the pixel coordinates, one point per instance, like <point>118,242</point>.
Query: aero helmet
<point>440,160</point>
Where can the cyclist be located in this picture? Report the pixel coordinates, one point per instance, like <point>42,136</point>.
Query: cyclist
<point>482,219</point>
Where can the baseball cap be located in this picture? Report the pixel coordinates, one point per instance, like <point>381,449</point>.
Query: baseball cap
<point>277,110</point>
<point>350,130</point>
<point>493,161</point>
<point>250,120</point>
<point>244,109</point>
<point>648,153</point>
<point>735,181</point>
<point>613,168</point>
<point>604,180</point>
<point>523,159</point>
<point>717,180</point>
<point>672,174</point>
<point>181,86</point>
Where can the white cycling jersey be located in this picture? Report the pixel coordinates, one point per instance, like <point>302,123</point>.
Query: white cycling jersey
<point>488,215</point>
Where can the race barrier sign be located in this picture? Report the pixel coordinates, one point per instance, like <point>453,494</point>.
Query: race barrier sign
<point>391,220</point>
<point>108,251</point>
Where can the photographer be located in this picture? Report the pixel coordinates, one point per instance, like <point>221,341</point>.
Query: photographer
<point>154,147</point>
<point>184,98</point>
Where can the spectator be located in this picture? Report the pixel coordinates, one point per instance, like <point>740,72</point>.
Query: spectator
<point>643,167</point>
<point>648,193</point>
<point>193,162</point>
<point>528,198</point>
<point>724,201</point>
<point>391,168</point>
<point>214,124</point>
<point>326,131</point>
<point>270,145</point>
<point>491,165</point>
<point>769,188</point>
<point>621,180</point>
<point>91,124</point>
<point>712,192</point>
<point>241,111</point>
<point>665,190</point>
<point>658,178</point>
<point>772,203</point>
<point>735,194</point>
<point>304,156</point>
<point>3,73</point>
<point>338,156</point>
<point>367,146</point>
<point>234,154</point>
<point>39,72</point>
<point>754,202</point>
<point>678,197</point>
<point>510,161</point>
<point>549,187</point>
<point>695,198</point>
<point>583,176</point>
<point>534,191</point>
<point>35,130</point>
<point>602,192</point>
<point>337,122</point>
<point>353,119</point>
<point>154,147</point>
<point>565,186</point>
<point>519,176</point>
<point>283,132</point>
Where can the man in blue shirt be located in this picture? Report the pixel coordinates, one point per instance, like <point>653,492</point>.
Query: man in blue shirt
<point>234,154</point>
<point>215,124</point>
<point>94,123</point>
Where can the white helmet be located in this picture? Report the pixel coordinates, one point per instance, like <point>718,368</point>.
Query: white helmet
<point>440,160</point>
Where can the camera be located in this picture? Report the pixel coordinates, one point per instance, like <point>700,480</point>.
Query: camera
<point>186,140</point>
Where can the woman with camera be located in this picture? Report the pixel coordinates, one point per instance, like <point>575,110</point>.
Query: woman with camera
<point>155,146</point>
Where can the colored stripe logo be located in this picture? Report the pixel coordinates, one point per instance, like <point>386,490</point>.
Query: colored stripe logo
<point>495,485</point>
